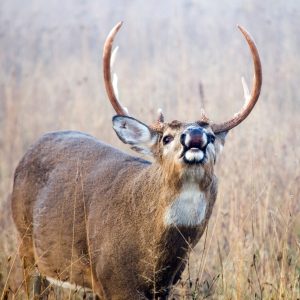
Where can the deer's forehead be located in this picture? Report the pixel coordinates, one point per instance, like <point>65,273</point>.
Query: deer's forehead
<point>176,127</point>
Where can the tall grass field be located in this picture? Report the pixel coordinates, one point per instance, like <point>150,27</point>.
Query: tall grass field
<point>180,56</point>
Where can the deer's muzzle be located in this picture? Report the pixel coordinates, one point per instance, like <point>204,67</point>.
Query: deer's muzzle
<point>194,141</point>
<point>194,138</point>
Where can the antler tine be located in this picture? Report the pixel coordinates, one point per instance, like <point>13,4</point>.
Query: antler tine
<point>250,99</point>
<point>158,125</point>
<point>111,87</point>
<point>161,117</point>
<point>204,116</point>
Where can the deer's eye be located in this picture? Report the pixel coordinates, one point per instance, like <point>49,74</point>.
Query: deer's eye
<point>211,138</point>
<point>167,139</point>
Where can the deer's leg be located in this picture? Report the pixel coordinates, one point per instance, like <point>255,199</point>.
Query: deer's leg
<point>40,287</point>
<point>28,262</point>
<point>98,292</point>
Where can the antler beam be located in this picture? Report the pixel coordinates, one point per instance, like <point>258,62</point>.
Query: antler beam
<point>250,99</point>
<point>107,62</point>
<point>111,86</point>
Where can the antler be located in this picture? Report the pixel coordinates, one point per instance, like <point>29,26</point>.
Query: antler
<point>107,62</point>
<point>111,87</point>
<point>250,99</point>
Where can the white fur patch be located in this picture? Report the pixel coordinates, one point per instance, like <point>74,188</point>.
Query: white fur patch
<point>187,139</point>
<point>189,207</point>
<point>67,285</point>
<point>132,131</point>
<point>194,154</point>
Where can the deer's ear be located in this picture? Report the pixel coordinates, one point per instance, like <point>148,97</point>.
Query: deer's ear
<point>220,141</point>
<point>133,132</point>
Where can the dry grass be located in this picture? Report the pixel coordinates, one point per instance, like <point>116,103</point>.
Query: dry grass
<point>49,80</point>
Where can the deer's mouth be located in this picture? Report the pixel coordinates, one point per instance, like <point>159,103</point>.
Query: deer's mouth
<point>193,155</point>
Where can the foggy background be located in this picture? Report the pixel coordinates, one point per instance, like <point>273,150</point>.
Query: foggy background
<point>180,56</point>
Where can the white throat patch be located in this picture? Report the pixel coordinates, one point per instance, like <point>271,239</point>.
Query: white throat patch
<point>188,209</point>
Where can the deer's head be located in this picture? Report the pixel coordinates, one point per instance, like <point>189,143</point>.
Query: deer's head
<point>185,148</point>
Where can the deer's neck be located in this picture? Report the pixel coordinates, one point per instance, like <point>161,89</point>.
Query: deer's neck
<point>188,207</point>
<point>179,200</point>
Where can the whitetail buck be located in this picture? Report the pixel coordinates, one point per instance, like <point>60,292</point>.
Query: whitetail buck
<point>93,216</point>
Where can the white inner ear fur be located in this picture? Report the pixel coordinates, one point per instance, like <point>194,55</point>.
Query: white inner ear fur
<point>131,131</point>
<point>135,133</point>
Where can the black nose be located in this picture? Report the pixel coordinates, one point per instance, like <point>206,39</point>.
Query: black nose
<point>193,138</point>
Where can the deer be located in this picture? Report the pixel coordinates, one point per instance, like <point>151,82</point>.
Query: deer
<point>89,215</point>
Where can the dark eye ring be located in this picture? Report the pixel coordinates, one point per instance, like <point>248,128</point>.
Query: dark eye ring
<point>167,139</point>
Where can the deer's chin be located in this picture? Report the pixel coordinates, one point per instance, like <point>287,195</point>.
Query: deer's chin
<point>194,156</point>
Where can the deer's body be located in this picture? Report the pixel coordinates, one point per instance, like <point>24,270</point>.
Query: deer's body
<point>93,216</point>
<point>96,184</point>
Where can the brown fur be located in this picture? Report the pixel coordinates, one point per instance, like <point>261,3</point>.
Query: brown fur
<point>92,215</point>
